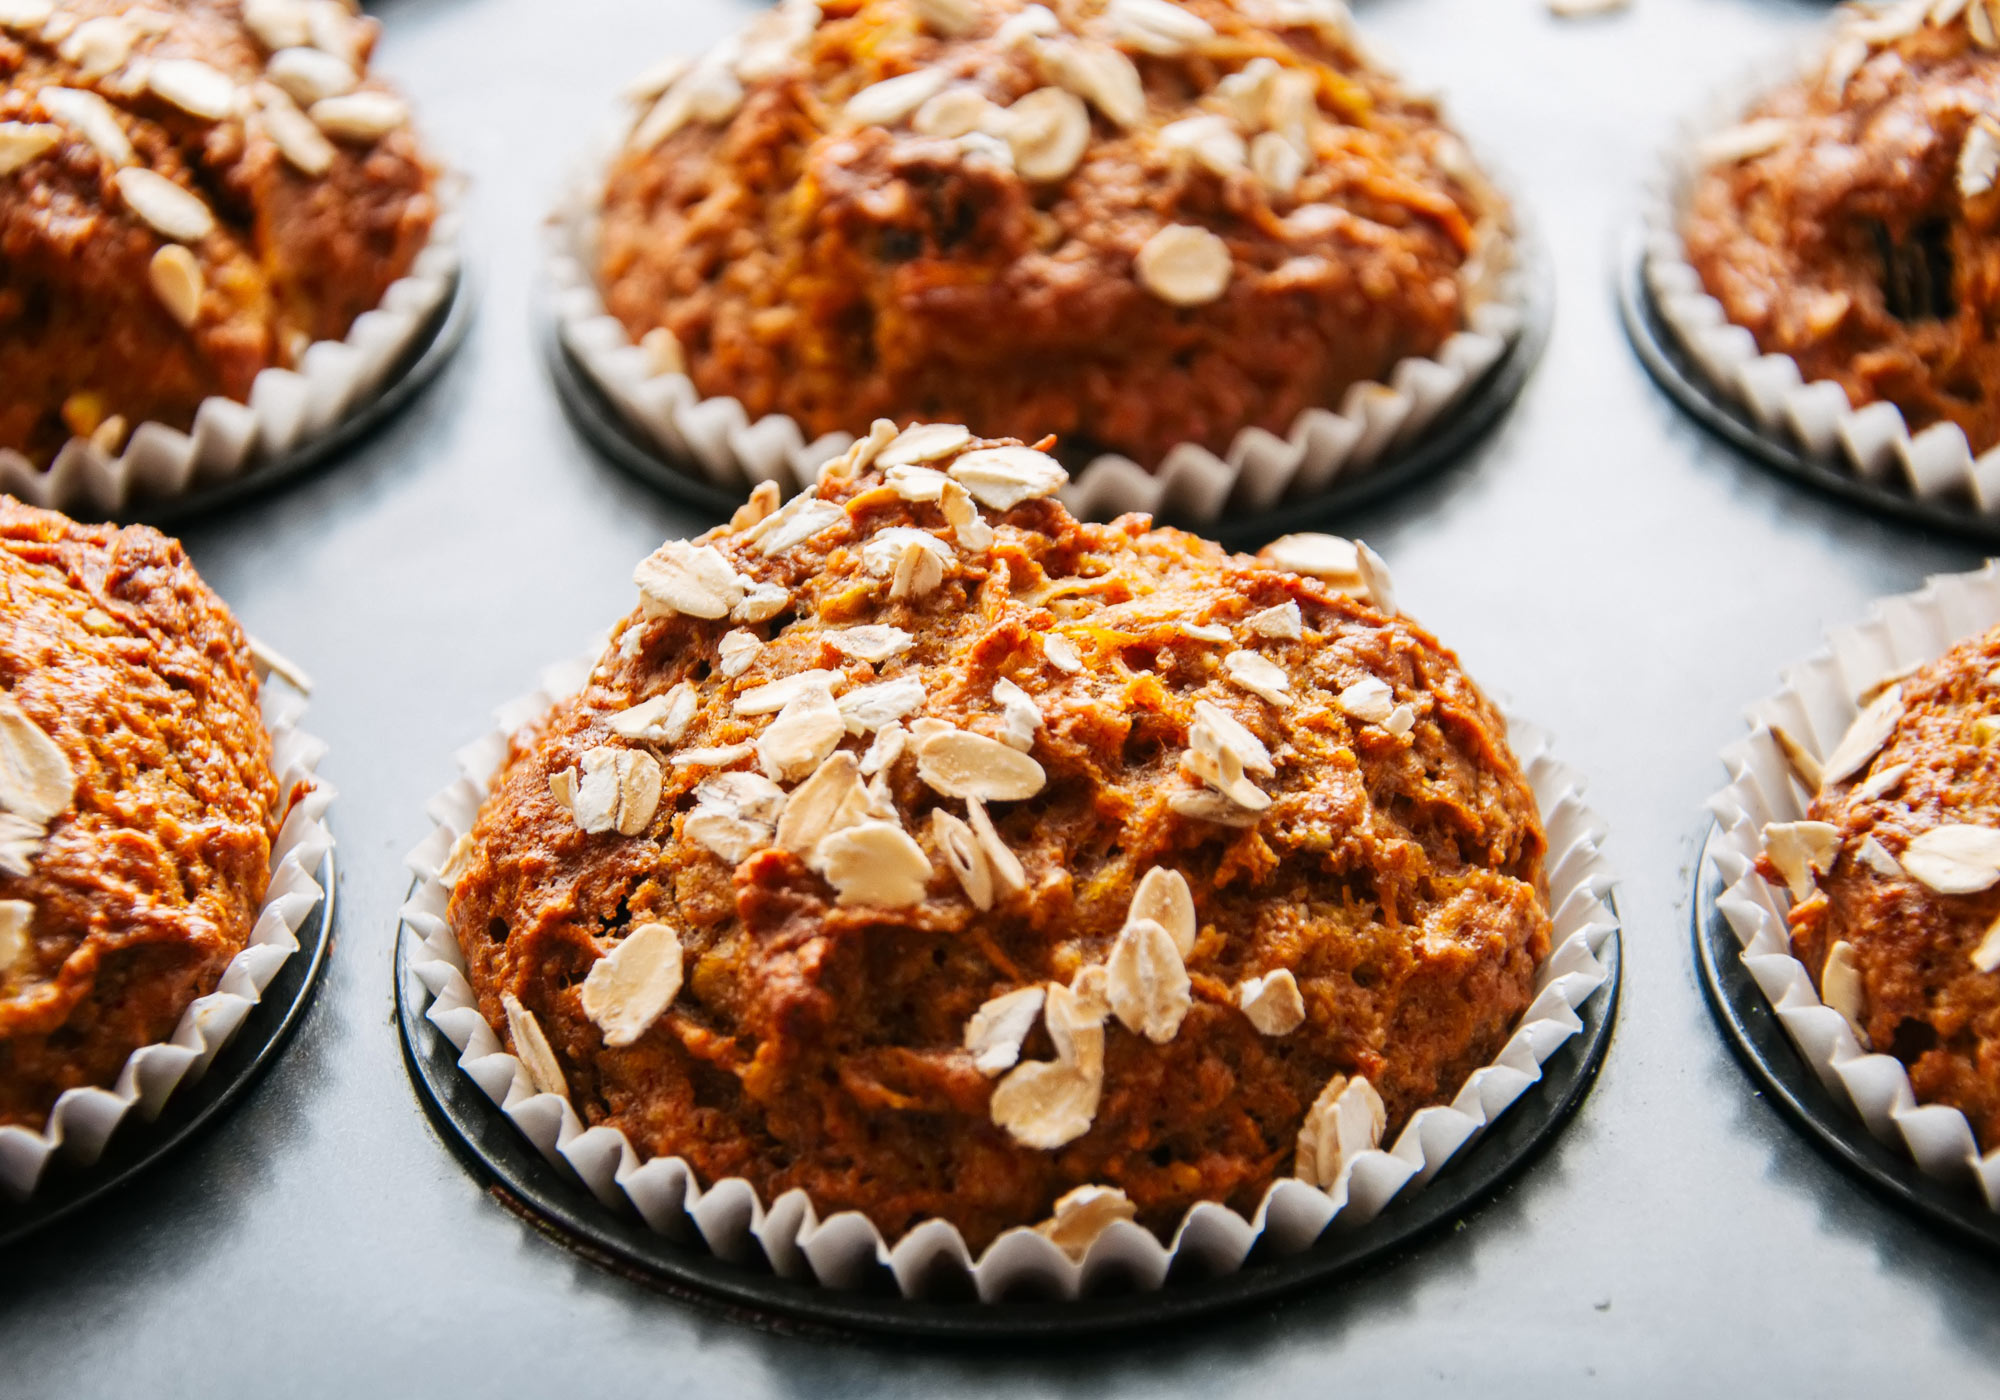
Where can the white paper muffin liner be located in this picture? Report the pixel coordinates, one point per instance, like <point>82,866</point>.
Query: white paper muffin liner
<point>1874,441</point>
<point>1815,706</point>
<point>842,1250</point>
<point>288,408</point>
<point>83,1120</point>
<point>717,437</point>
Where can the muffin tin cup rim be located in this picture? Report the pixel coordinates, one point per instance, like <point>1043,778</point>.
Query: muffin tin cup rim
<point>294,419</point>
<point>845,1248</point>
<point>1815,705</point>
<point>84,1121</point>
<point>709,452</point>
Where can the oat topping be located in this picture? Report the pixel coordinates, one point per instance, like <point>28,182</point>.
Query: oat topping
<point>1000,478</point>
<point>1277,164</point>
<point>1206,806</point>
<point>1375,580</point>
<point>20,839</point>
<point>1347,1119</point>
<point>1084,1214</point>
<point>884,749</point>
<point>278,24</point>
<point>1261,677</point>
<point>1147,983</point>
<point>831,800</point>
<point>16,915</point>
<point>967,863</point>
<point>664,719</point>
<point>997,1028</point>
<point>1954,858</point>
<point>917,484</point>
<point>171,211</point>
<point>1047,1104</point>
<point>1841,988</point>
<point>773,696</point>
<point>1326,557</point>
<point>1881,784</point>
<point>1401,720</point>
<point>618,791</point>
<point>360,117</point>
<point>25,14</point>
<point>21,142</point>
<point>531,1048</point>
<point>874,862</point>
<point>293,133</point>
<point>1020,716</point>
<point>1163,897</point>
<point>1061,652</point>
<point>1157,27</point>
<point>949,17</point>
<point>1207,632</point>
<point>1801,851</point>
<point>1873,854</point>
<point>722,756</point>
<point>1798,758</point>
<point>92,118</point>
<point>1986,957</point>
<point>177,281</point>
<point>923,442</point>
<point>307,75</point>
<point>806,730</point>
<point>1865,736</point>
<point>736,651</point>
<point>962,764</point>
<point>972,532</point>
<point>1745,142</point>
<point>1210,141</point>
<point>36,783</point>
<point>1184,265</point>
<point>889,101</point>
<point>876,706</point>
<point>874,642</point>
<point>1979,158</point>
<point>1046,131</point>
<point>735,839</point>
<point>630,987</point>
<point>1369,700</point>
<point>1272,1002</point>
<point>681,578</point>
<point>799,521</point>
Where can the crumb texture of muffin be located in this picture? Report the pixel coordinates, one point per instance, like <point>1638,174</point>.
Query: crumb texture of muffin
<point>1895,876</point>
<point>189,195</point>
<point>1134,224</point>
<point>1850,220</point>
<point>137,802</point>
<point>925,849</point>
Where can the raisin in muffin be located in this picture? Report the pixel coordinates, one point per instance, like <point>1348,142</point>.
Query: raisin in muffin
<point>1895,877</point>
<point>1134,224</point>
<point>189,195</point>
<point>926,849</point>
<point>137,802</point>
<point>1850,222</point>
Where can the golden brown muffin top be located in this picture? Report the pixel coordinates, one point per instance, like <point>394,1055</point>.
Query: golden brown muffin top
<point>137,803</point>
<point>232,166</point>
<point>834,195</point>
<point>1849,220</point>
<point>921,846</point>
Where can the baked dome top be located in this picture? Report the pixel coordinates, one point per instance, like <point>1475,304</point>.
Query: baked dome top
<point>926,849</point>
<point>1133,223</point>
<point>189,194</point>
<point>1849,221</point>
<point>1895,875</point>
<point>137,802</point>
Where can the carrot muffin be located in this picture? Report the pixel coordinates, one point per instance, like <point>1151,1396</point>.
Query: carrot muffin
<point>1134,223</point>
<point>1850,222</point>
<point>189,195</point>
<point>1895,878</point>
<point>921,847</point>
<point>137,802</point>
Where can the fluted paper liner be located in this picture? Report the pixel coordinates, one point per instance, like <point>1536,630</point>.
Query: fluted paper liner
<point>1873,441</point>
<point>716,436</point>
<point>842,1250</point>
<point>287,410</point>
<point>1816,706</point>
<point>83,1120</point>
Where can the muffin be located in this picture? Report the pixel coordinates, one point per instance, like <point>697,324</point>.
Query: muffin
<point>1895,878</point>
<point>922,848</point>
<point>189,195</point>
<point>1849,222</point>
<point>137,802</point>
<point>1134,224</point>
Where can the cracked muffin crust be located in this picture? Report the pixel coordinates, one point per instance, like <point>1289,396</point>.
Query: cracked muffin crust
<point>137,802</point>
<point>1850,221</point>
<point>1895,877</point>
<point>925,849</point>
<point>189,194</point>
<point>1134,224</point>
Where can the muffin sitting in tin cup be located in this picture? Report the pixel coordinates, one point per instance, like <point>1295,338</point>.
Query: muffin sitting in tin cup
<point>138,806</point>
<point>921,848</point>
<point>1135,224</point>
<point>1895,877</point>
<point>1851,220</point>
<point>189,195</point>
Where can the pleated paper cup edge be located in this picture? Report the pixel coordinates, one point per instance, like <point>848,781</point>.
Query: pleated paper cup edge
<point>714,441</point>
<point>1760,790</point>
<point>1871,442</point>
<point>294,892</point>
<point>735,1223</point>
<point>288,410</point>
